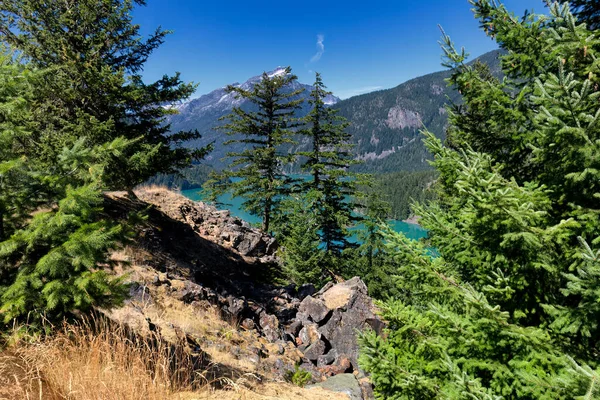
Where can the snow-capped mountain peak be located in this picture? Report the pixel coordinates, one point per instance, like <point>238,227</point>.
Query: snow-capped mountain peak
<point>220,101</point>
<point>279,71</point>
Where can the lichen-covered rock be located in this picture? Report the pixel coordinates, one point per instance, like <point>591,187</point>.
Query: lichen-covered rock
<point>343,383</point>
<point>269,325</point>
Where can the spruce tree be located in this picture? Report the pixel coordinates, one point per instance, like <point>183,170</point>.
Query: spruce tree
<point>328,164</point>
<point>370,259</point>
<point>301,252</point>
<point>55,240</point>
<point>95,89</point>
<point>256,171</point>
<point>507,308</point>
<point>587,11</point>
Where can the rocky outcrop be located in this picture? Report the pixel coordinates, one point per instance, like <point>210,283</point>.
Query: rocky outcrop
<point>327,324</point>
<point>189,257</point>
<point>343,383</point>
<point>215,225</point>
<point>400,118</point>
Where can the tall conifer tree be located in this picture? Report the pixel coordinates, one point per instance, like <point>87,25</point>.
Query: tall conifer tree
<point>53,238</point>
<point>256,171</point>
<point>328,163</point>
<point>96,90</point>
<point>508,309</point>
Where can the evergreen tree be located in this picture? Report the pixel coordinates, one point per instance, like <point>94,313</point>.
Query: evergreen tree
<point>54,237</point>
<point>301,253</point>
<point>507,309</point>
<point>16,198</point>
<point>587,11</point>
<point>370,259</point>
<point>256,172</point>
<point>328,163</point>
<point>95,89</point>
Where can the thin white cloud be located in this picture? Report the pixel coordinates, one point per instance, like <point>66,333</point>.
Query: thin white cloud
<point>320,49</point>
<point>344,94</point>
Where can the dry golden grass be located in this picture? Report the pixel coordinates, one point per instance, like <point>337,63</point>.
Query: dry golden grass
<point>102,362</point>
<point>93,362</point>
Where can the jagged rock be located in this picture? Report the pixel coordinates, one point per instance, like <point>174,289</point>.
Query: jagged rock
<point>309,334</point>
<point>342,365</point>
<point>333,316</point>
<point>314,309</point>
<point>325,288</point>
<point>308,289</point>
<point>270,327</point>
<point>343,383</point>
<point>218,225</point>
<point>315,350</point>
<point>326,359</point>
<point>248,324</point>
<point>367,389</point>
<point>294,328</point>
<point>343,294</point>
<point>235,307</point>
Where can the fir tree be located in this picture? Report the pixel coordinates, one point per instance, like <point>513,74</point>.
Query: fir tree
<point>54,264</point>
<point>301,253</point>
<point>370,259</point>
<point>55,240</point>
<point>256,171</point>
<point>16,197</point>
<point>587,11</point>
<point>95,90</point>
<point>507,309</point>
<point>328,163</point>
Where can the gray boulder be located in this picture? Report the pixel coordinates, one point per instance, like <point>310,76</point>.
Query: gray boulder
<point>327,325</point>
<point>342,383</point>
<point>314,309</point>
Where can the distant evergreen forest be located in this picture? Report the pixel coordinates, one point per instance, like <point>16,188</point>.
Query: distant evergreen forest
<point>189,178</point>
<point>399,189</point>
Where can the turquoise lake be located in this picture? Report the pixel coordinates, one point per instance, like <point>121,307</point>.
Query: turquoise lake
<point>411,231</point>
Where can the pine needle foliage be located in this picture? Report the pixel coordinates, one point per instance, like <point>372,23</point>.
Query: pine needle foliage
<point>94,55</point>
<point>54,239</point>
<point>507,308</point>
<point>302,254</point>
<point>328,163</point>
<point>256,172</point>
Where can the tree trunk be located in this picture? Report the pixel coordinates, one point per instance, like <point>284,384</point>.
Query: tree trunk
<point>266,216</point>
<point>1,225</point>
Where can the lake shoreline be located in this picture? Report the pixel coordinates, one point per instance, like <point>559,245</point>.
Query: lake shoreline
<point>234,206</point>
<point>413,219</point>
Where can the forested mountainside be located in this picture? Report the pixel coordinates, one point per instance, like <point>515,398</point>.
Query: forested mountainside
<point>204,114</point>
<point>385,125</point>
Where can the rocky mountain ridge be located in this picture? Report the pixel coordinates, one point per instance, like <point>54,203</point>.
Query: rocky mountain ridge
<point>385,125</point>
<point>204,113</point>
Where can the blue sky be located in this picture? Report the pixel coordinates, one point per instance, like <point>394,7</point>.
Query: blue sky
<point>358,46</point>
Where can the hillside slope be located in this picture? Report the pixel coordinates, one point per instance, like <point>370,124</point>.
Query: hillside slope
<point>385,125</point>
